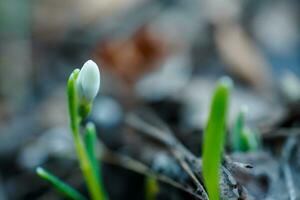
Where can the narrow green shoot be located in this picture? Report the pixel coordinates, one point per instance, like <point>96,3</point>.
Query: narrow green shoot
<point>214,137</point>
<point>238,144</point>
<point>243,138</point>
<point>252,139</point>
<point>62,187</point>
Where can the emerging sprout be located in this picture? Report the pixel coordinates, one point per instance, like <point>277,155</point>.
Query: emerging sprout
<point>88,82</point>
<point>243,138</point>
<point>214,137</point>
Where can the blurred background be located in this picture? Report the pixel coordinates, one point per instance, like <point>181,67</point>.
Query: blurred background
<point>158,55</point>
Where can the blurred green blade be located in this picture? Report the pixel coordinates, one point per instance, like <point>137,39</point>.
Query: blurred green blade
<point>243,138</point>
<point>251,139</point>
<point>151,188</point>
<point>214,137</point>
<point>237,140</point>
<point>62,187</point>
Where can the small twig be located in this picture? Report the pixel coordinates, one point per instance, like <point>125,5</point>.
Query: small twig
<point>139,124</point>
<point>138,167</point>
<point>282,132</point>
<point>190,172</point>
<point>168,140</point>
<point>195,164</point>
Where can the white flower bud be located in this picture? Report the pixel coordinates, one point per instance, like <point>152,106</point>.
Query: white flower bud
<point>88,81</point>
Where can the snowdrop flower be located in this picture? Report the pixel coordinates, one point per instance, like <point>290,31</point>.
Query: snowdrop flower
<point>88,82</point>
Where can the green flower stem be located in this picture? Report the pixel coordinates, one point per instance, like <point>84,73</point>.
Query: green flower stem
<point>62,187</point>
<point>214,137</point>
<point>91,178</point>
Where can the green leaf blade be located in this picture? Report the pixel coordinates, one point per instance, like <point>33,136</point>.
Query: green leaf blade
<point>214,138</point>
<point>73,101</point>
<point>90,139</point>
<point>59,185</point>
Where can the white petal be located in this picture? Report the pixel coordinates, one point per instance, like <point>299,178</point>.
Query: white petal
<point>88,81</point>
